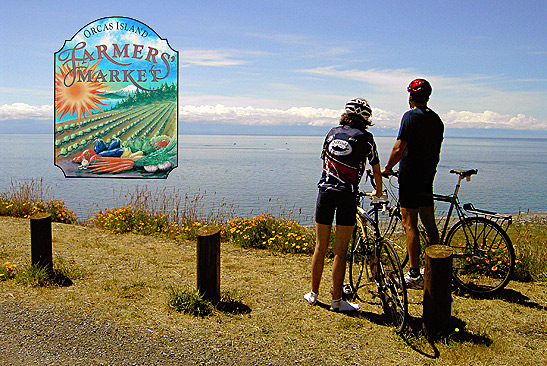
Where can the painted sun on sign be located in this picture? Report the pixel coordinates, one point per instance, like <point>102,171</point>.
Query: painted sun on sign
<point>116,102</point>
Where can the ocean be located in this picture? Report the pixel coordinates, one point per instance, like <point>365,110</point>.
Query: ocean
<point>278,174</point>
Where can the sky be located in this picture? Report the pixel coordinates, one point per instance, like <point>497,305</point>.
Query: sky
<point>273,63</point>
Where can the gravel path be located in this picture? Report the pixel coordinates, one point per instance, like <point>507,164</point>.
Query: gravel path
<point>47,335</point>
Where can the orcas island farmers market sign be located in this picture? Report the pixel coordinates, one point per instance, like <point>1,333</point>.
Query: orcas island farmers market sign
<point>116,102</point>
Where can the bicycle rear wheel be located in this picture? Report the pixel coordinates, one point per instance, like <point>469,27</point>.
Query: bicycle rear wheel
<point>391,285</point>
<point>360,258</point>
<point>484,258</point>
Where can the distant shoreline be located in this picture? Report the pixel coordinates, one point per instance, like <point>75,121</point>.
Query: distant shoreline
<point>29,126</point>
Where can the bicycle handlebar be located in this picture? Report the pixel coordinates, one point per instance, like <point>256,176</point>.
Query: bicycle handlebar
<point>375,200</point>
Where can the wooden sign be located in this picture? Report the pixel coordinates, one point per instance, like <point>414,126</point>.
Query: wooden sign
<point>116,102</point>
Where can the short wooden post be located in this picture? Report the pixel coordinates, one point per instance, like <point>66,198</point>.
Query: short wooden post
<point>437,305</point>
<point>40,241</point>
<point>208,262</point>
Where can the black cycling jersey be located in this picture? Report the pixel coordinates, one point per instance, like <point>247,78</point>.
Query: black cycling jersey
<point>345,152</point>
<point>422,130</point>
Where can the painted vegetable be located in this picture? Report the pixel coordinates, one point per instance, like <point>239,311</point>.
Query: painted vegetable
<point>117,152</point>
<point>159,156</point>
<point>111,165</point>
<point>87,154</point>
<point>99,146</point>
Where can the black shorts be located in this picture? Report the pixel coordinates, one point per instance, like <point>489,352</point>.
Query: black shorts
<point>344,203</point>
<point>416,193</point>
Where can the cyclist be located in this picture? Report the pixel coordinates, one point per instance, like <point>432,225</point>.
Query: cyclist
<point>345,151</point>
<point>417,148</point>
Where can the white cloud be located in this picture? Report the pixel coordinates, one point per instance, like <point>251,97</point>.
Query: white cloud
<point>489,119</point>
<point>216,58</point>
<point>387,78</point>
<point>311,116</point>
<point>259,116</point>
<point>25,111</point>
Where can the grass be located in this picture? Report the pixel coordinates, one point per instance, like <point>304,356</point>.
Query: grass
<point>27,198</point>
<point>530,241</point>
<point>63,274</point>
<point>189,302</point>
<point>174,215</point>
<point>124,280</point>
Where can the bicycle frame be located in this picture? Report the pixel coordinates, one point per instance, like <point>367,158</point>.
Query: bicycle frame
<point>454,202</point>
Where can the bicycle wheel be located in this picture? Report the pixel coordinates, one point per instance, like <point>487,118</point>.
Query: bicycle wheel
<point>391,285</point>
<point>392,228</point>
<point>362,248</point>
<point>484,259</point>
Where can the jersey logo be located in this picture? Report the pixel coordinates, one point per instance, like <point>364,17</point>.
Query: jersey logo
<point>339,148</point>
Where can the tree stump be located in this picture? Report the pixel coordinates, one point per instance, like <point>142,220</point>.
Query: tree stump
<point>437,305</point>
<point>40,241</point>
<point>208,262</point>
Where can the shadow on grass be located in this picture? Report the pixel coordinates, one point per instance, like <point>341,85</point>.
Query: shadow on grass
<point>507,295</point>
<point>59,279</point>
<point>416,337</point>
<point>37,275</point>
<point>233,307</point>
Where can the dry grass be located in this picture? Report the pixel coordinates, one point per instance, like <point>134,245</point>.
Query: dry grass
<point>126,279</point>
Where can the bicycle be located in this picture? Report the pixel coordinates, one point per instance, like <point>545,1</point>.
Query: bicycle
<point>483,254</point>
<point>373,259</point>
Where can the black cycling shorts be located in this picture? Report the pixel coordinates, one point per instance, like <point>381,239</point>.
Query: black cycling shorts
<point>329,202</point>
<point>416,193</point>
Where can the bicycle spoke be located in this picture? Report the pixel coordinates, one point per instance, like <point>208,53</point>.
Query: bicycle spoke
<point>391,285</point>
<point>484,258</point>
<point>360,258</point>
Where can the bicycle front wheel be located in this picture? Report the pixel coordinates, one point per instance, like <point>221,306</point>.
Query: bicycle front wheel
<point>392,228</point>
<point>362,248</point>
<point>484,258</point>
<point>391,285</point>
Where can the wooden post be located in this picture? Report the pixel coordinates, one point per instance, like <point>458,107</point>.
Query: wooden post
<point>437,305</point>
<point>208,262</point>
<point>40,241</point>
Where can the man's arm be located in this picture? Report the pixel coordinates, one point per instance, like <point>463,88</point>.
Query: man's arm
<point>396,154</point>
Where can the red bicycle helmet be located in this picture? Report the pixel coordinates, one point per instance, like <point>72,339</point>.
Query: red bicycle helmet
<point>419,89</point>
<point>420,85</point>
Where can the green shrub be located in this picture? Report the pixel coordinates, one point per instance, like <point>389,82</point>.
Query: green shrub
<point>275,234</point>
<point>189,302</point>
<point>530,242</point>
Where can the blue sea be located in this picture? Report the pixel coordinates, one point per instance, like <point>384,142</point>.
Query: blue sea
<point>278,174</point>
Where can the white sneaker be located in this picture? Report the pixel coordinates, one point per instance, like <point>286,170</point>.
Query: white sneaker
<point>343,306</point>
<point>311,297</point>
<point>416,283</point>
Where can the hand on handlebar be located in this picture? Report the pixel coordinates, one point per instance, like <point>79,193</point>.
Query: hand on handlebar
<point>376,193</point>
<point>386,173</point>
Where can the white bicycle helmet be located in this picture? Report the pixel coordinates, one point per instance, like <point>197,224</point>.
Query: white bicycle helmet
<point>360,107</point>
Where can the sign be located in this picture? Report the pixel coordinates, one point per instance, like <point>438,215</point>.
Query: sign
<point>116,102</point>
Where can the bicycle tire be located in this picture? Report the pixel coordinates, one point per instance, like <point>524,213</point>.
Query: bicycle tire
<point>391,285</point>
<point>360,258</point>
<point>486,268</point>
<point>393,230</point>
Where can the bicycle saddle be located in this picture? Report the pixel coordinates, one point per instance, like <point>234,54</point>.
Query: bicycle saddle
<point>464,173</point>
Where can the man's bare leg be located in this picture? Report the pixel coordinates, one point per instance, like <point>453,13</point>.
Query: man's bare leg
<point>427,216</point>
<point>410,223</point>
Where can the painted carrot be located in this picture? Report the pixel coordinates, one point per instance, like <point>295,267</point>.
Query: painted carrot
<point>111,165</point>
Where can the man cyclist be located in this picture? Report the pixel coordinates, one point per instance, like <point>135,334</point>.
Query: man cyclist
<point>417,150</point>
<point>346,149</point>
